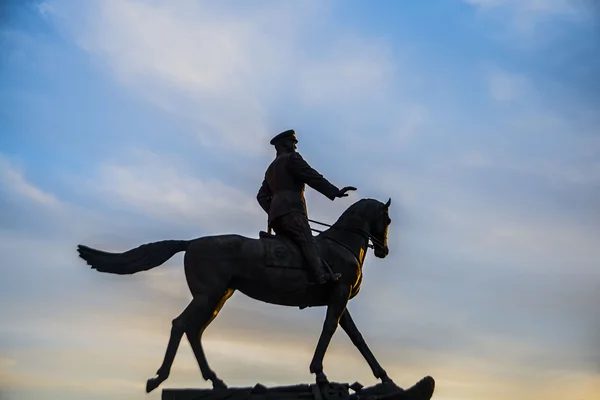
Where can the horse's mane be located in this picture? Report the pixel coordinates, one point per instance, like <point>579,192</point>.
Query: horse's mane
<point>357,209</point>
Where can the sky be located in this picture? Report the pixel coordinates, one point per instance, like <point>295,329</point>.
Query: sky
<point>127,122</point>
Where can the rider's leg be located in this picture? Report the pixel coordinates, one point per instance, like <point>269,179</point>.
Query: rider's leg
<point>296,227</point>
<point>315,264</point>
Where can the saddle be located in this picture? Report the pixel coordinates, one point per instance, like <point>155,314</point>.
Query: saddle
<point>280,251</point>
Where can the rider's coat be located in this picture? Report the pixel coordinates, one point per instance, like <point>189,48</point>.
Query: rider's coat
<point>282,189</point>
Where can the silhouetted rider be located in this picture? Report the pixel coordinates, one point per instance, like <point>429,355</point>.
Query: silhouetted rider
<point>281,195</point>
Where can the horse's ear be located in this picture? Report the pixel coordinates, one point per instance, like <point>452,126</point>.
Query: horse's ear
<point>387,205</point>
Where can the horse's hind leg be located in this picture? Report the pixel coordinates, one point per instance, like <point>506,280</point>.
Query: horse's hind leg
<point>194,334</point>
<point>179,325</point>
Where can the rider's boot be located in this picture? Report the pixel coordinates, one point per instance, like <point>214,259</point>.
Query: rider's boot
<point>316,265</point>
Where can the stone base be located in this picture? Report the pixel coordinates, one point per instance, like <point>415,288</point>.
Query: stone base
<point>422,390</point>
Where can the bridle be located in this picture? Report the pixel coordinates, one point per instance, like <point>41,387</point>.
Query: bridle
<point>362,232</point>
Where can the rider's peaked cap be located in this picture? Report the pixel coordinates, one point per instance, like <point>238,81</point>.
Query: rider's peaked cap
<point>284,135</point>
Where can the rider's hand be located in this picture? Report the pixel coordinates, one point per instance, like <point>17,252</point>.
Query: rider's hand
<point>342,192</point>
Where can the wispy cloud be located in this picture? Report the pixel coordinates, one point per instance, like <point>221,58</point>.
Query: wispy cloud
<point>528,13</point>
<point>530,23</point>
<point>13,182</point>
<point>539,6</point>
<point>506,87</point>
<point>159,189</point>
<point>222,68</point>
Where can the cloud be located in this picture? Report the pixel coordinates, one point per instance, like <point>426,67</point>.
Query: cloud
<point>13,182</point>
<point>540,6</point>
<point>156,187</point>
<point>532,22</point>
<point>523,230</point>
<point>352,67</point>
<point>33,217</point>
<point>531,11</point>
<point>506,87</point>
<point>222,69</point>
<point>234,352</point>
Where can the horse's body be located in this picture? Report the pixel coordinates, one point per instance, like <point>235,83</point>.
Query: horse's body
<point>283,281</point>
<point>268,269</point>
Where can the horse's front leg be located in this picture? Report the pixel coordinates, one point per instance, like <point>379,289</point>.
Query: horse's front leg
<point>335,309</point>
<point>350,328</point>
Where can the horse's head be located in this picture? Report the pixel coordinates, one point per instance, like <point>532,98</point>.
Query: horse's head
<point>379,229</point>
<point>369,217</point>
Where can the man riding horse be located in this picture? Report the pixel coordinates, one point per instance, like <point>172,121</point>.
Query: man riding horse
<point>281,195</point>
<point>216,266</point>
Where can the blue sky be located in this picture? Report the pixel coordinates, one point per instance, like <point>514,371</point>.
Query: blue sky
<point>124,122</point>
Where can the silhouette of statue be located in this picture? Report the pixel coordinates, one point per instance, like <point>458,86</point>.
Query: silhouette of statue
<point>272,269</point>
<point>281,195</point>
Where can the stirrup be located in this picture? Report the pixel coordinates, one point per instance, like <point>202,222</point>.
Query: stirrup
<point>331,276</point>
<point>335,275</point>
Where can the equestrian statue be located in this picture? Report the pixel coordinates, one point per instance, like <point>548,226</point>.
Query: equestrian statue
<point>290,268</point>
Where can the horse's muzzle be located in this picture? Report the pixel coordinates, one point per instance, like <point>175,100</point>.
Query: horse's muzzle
<point>381,252</point>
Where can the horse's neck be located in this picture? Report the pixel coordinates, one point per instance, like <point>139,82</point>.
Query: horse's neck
<point>355,241</point>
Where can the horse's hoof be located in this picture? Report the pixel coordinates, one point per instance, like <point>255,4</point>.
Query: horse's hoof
<point>153,383</point>
<point>422,390</point>
<point>218,384</point>
<point>386,380</point>
<point>321,379</point>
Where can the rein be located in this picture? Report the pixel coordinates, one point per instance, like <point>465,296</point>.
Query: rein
<point>361,231</point>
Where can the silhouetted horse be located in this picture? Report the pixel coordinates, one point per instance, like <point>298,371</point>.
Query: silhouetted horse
<point>268,269</point>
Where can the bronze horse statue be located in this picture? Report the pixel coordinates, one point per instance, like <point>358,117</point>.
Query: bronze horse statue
<point>267,269</point>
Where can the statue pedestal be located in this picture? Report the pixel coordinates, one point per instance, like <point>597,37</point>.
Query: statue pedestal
<point>422,390</point>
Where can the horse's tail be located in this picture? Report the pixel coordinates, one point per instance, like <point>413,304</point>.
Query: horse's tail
<point>142,258</point>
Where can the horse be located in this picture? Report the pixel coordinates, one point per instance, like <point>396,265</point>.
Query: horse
<point>268,269</point>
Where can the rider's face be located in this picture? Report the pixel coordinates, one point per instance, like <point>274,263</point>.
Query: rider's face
<point>290,144</point>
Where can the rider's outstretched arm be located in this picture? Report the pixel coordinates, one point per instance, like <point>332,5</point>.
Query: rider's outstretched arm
<point>304,172</point>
